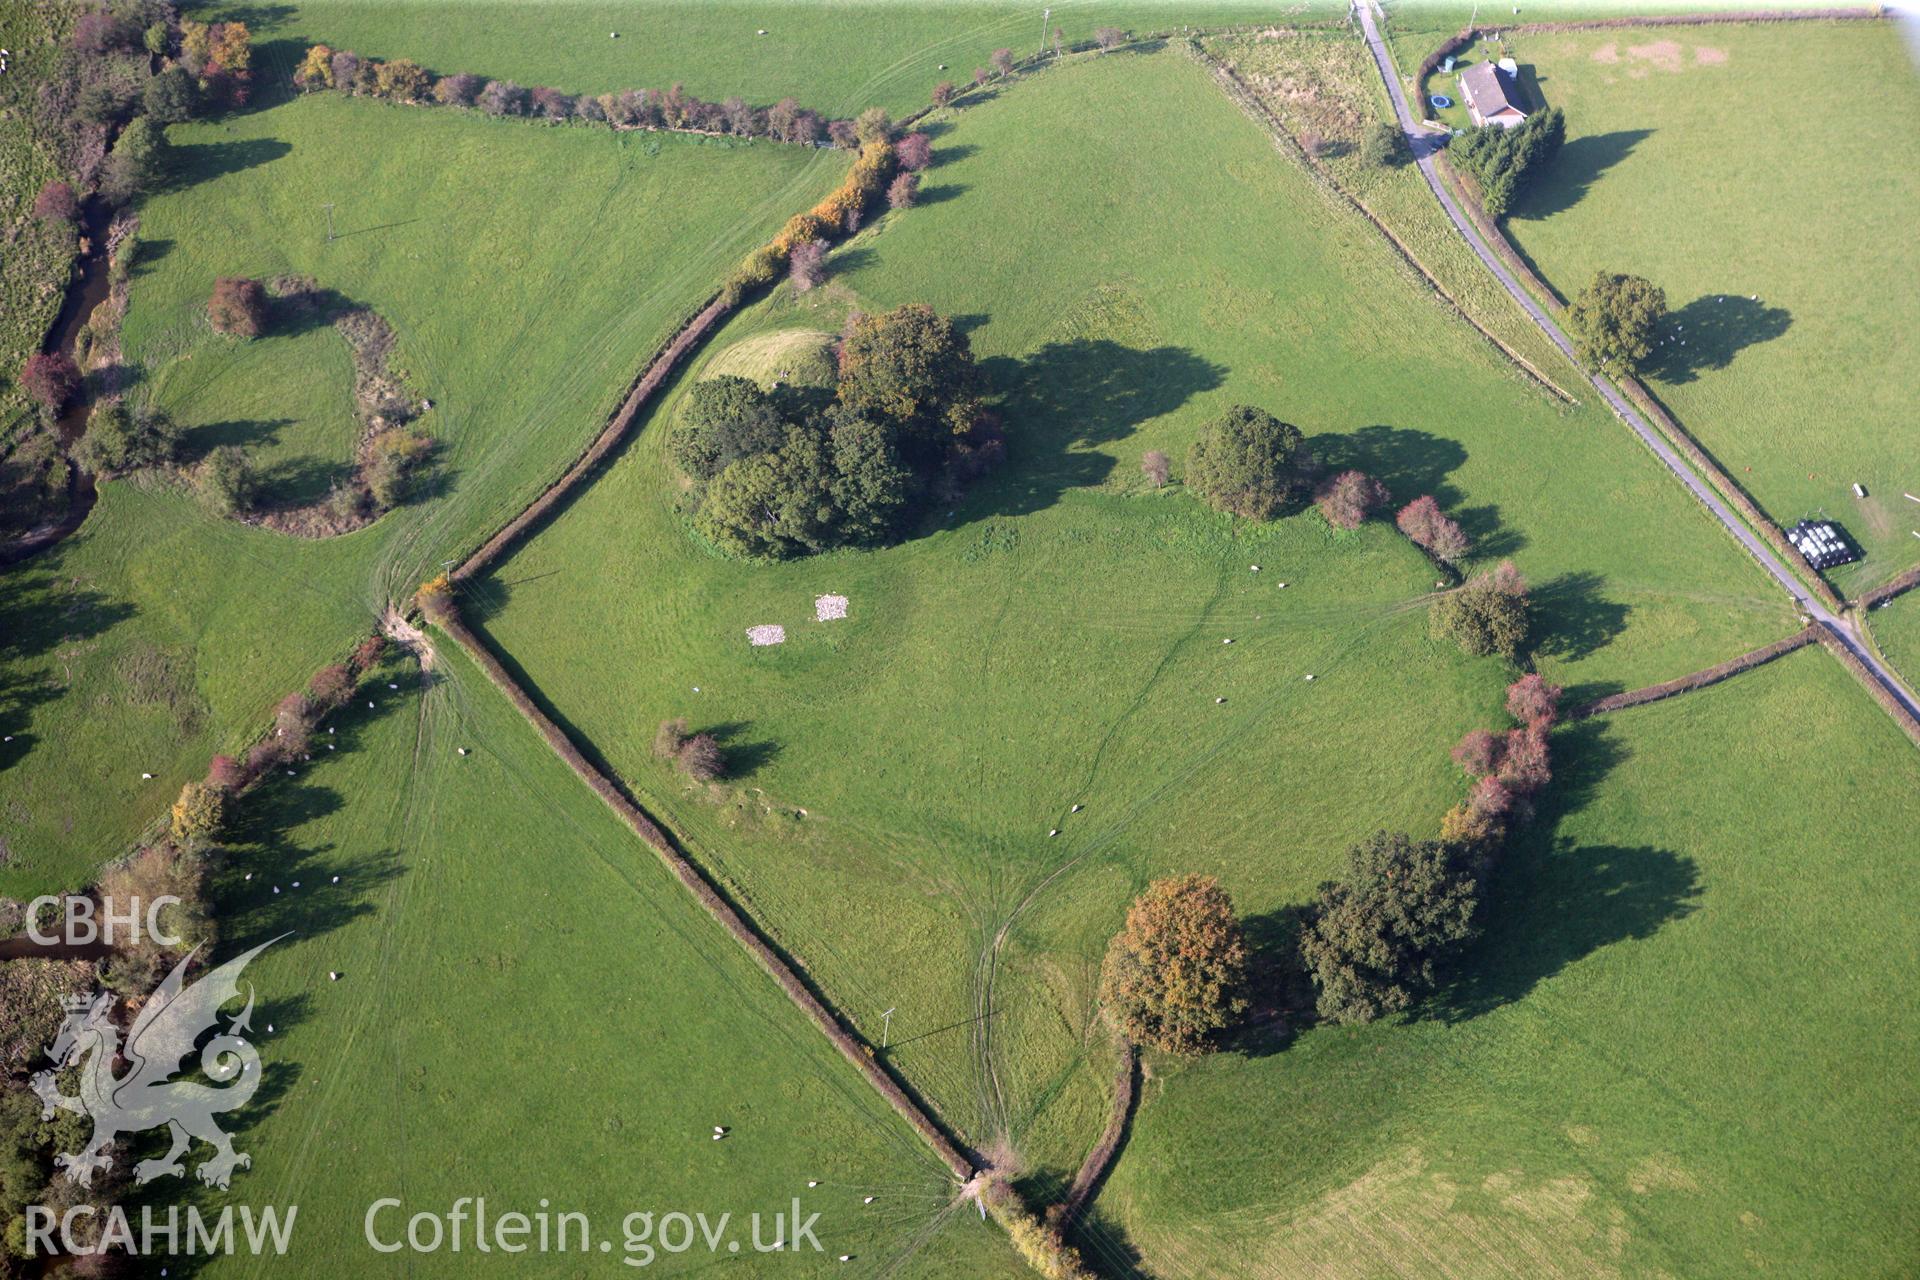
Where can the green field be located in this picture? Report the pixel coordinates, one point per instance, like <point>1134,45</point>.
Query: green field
<point>837,56</point>
<point>1056,638</point>
<point>525,296</point>
<point>1683,1048</point>
<point>1896,630</point>
<point>1689,158</point>
<point>506,945</point>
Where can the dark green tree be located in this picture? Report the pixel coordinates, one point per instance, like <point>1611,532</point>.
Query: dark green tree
<point>1615,320</point>
<point>773,504</point>
<point>1504,160</point>
<point>138,162</point>
<point>117,439</point>
<point>1384,146</point>
<point>872,485</point>
<point>1374,940</point>
<point>225,480</point>
<point>726,419</point>
<point>1246,461</point>
<point>1490,614</point>
<point>171,97</point>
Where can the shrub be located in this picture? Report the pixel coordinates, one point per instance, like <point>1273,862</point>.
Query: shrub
<point>1349,498</point>
<point>1039,1243</point>
<point>1002,61</point>
<point>503,98</point>
<point>101,31</point>
<point>1428,528</point>
<point>1247,462</point>
<point>1479,753</point>
<point>1615,320</point>
<point>118,440</point>
<point>871,484</point>
<point>435,599</point>
<point>1155,466</point>
<point>392,458</point>
<point>1526,764</point>
<point>225,480</point>
<point>702,759</point>
<point>1375,939</point>
<point>903,191</point>
<point>331,686</point>
<point>843,135</point>
<point>1109,37</point>
<point>262,756</point>
<point>346,71</point>
<point>872,125</point>
<point>458,90</point>
<point>552,103</point>
<point>1533,702</point>
<point>367,652</point>
<point>292,721</point>
<point>726,419</point>
<point>1484,617</point>
<point>149,875</point>
<point>980,76</point>
<point>56,203</point>
<point>773,504</point>
<point>315,70</point>
<point>197,814</point>
<point>224,773</point>
<point>1384,146</point>
<point>50,378</point>
<point>1173,976</point>
<point>402,80</point>
<point>913,152</point>
<point>238,307</point>
<point>807,265</point>
<point>943,93</point>
<point>913,368</point>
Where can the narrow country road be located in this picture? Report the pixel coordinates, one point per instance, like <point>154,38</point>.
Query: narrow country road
<point>1424,148</point>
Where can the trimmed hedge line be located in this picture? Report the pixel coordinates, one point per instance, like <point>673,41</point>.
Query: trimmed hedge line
<point>865,183</point>
<point>708,896</point>
<point>1126,1083</point>
<point>1699,679</point>
<point>1898,586</point>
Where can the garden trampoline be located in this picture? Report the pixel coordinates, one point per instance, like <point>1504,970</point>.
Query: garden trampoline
<point>1440,101</point>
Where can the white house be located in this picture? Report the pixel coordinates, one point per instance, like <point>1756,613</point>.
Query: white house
<point>1492,95</point>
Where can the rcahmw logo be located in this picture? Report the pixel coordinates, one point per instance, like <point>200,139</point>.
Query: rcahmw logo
<point>168,1232</point>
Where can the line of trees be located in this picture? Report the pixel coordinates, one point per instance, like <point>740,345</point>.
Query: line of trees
<point>404,80</point>
<point>1505,160</point>
<point>793,471</point>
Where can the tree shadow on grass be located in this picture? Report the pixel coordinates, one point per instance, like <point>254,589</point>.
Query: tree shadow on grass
<point>1573,620</point>
<point>197,442</point>
<point>1104,1243</point>
<point>204,161</point>
<point>41,612</point>
<point>1067,398</point>
<point>1490,539</point>
<point>1280,991</point>
<point>744,758</point>
<point>942,193</point>
<point>1715,329</point>
<point>1553,901</point>
<point>1409,461</point>
<point>1573,172</point>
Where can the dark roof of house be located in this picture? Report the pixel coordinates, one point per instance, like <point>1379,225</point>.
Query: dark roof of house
<point>1490,88</point>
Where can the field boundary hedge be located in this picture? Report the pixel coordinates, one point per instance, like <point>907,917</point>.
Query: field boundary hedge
<point>1864,674</point>
<point>1249,102</point>
<point>651,377</point>
<point>1700,679</point>
<point>709,896</point>
<point>1888,590</point>
<point>1094,1169</point>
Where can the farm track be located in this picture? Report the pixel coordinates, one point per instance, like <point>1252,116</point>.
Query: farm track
<point>1837,633</point>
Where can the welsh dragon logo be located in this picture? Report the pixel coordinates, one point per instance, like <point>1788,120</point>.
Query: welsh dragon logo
<point>146,1097</point>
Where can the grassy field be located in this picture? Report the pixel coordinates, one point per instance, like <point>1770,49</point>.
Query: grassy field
<point>525,297</point>
<point>837,56</point>
<point>504,942</point>
<point>1683,1051</point>
<point>1896,629</point>
<point>1056,638</point>
<point>1324,88</point>
<point>1799,371</point>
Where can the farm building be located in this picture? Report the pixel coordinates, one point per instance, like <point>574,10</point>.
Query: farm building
<point>1823,543</point>
<point>1492,94</point>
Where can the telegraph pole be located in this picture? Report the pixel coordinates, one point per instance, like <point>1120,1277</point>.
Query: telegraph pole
<point>886,1033</point>
<point>1046,19</point>
<point>329,209</point>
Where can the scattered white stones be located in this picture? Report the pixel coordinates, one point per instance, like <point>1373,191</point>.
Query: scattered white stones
<point>767,633</point>
<point>827,608</point>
